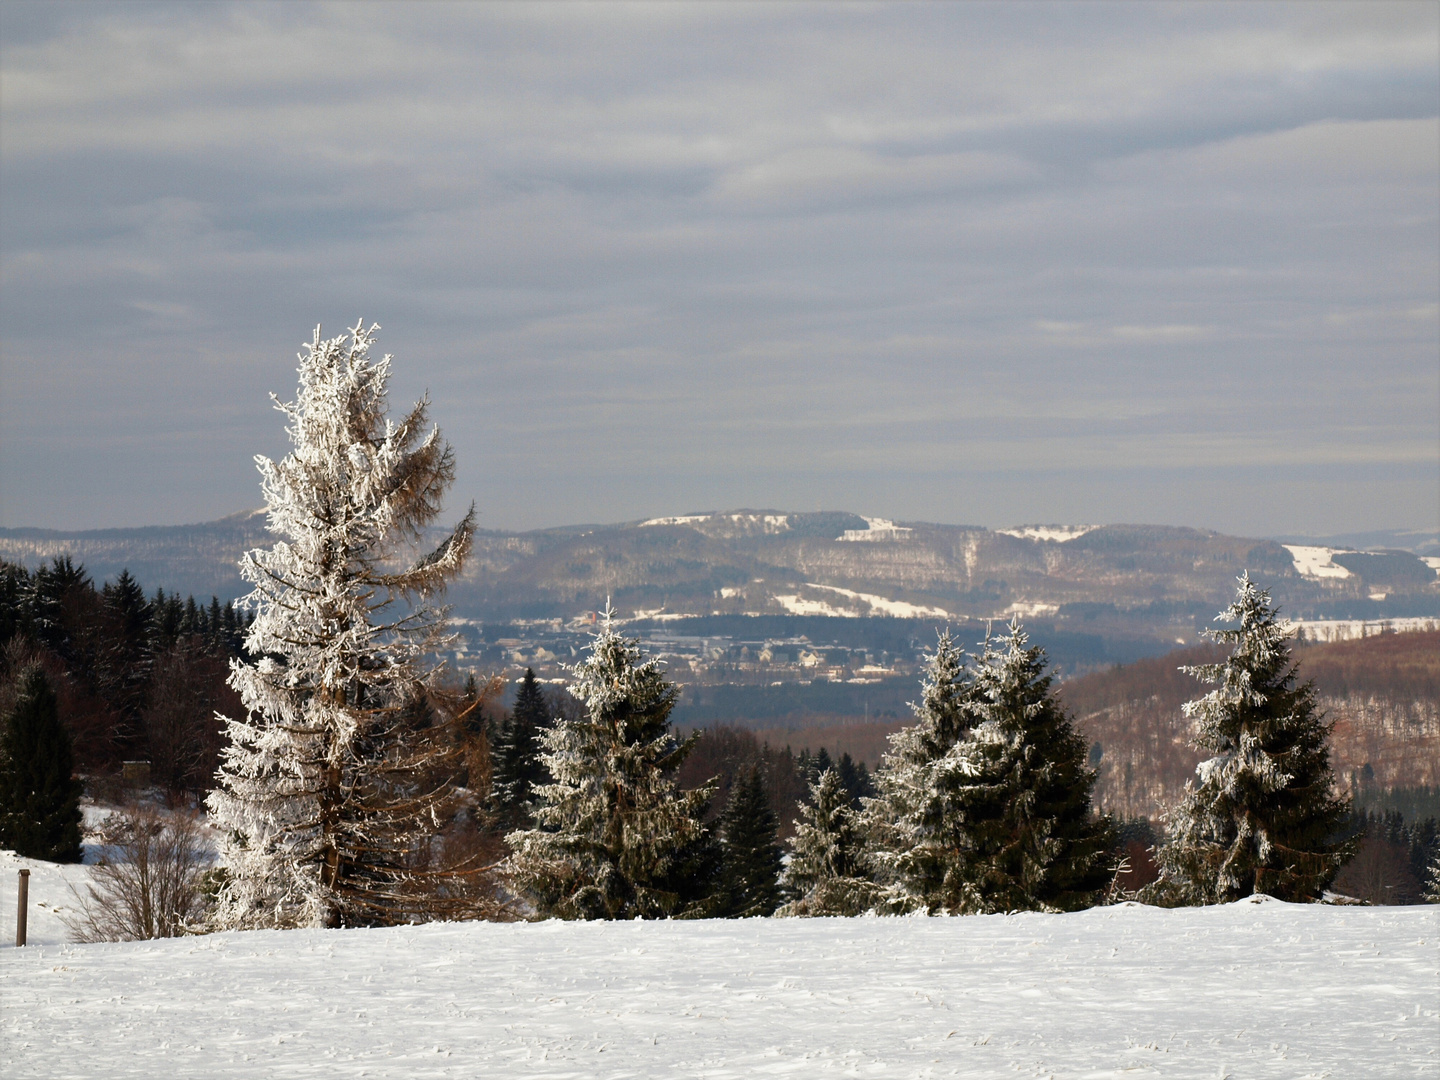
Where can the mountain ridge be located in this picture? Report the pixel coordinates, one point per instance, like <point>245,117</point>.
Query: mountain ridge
<point>832,563</point>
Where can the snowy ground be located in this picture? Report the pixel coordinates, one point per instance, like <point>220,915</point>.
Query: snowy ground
<point>1255,989</point>
<point>50,896</point>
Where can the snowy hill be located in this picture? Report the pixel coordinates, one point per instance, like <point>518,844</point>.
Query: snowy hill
<point>838,603</point>
<point>1255,989</point>
<point>1110,578</point>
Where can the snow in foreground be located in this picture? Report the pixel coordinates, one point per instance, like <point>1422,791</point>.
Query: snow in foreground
<point>1254,989</point>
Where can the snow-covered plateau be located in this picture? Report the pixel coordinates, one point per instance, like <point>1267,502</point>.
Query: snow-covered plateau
<point>1253,989</point>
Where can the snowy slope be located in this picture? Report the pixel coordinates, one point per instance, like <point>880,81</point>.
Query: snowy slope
<point>1255,989</point>
<point>50,898</point>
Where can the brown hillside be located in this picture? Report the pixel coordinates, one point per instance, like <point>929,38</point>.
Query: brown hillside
<point>1382,694</point>
<point>1391,665</point>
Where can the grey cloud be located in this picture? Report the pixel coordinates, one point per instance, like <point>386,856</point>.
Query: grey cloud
<point>750,252</point>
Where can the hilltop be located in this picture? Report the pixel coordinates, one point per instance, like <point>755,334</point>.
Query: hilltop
<point>1145,580</point>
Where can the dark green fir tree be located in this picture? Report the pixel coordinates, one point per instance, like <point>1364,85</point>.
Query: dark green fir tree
<point>1019,784</point>
<point>515,753</point>
<point>1264,816</point>
<point>39,796</point>
<point>614,837</point>
<point>826,875</point>
<point>750,846</point>
<point>124,666</point>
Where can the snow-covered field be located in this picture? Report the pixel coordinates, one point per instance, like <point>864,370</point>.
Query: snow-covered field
<point>1255,989</point>
<point>1352,629</point>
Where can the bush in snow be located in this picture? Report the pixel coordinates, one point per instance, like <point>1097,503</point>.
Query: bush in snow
<point>340,772</point>
<point>150,882</point>
<point>1264,817</point>
<point>826,870</point>
<point>614,837</point>
<point>39,796</point>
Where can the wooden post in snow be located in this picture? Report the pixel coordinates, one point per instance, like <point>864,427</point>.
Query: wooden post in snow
<point>22,901</point>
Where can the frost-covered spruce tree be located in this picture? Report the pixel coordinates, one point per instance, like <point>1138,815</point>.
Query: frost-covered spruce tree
<point>826,872</point>
<point>916,834</point>
<point>614,837</point>
<point>1018,792</point>
<point>337,775</point>
<point>1264,816</point>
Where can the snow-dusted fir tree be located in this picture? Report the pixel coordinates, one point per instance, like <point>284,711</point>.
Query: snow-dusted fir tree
<point>1017,792</point>
<point>826,874</point>
<point>916,835</point>
<point>614,837</point>
<point>332,782</point>
<point>1264,816</point>
<point>1432,882</point>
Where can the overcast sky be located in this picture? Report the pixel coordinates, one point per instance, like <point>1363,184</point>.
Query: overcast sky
<point>959,263</point>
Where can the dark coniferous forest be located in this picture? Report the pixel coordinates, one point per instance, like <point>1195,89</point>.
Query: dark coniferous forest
<point>135,677</point>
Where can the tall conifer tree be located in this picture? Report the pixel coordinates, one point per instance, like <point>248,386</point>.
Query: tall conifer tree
<point>827,874</point>
<point>126,663</point>
<point>614,837</point>
<point>336,776</point>
<point>515,755</point>
<point>1019,788</point>
<point>916,829</point>
<point>39,795</point>
<point>1264,816</point>
<point>750,852</point>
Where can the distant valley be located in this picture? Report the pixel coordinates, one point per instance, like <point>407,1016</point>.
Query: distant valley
<point>811,628</point>
<point>781,617</point>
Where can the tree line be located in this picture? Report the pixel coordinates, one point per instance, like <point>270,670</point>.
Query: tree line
<point>135,678</point>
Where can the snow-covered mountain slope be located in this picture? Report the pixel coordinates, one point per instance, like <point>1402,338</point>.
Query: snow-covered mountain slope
<point>1136,579</point>
<point>1255,989</point>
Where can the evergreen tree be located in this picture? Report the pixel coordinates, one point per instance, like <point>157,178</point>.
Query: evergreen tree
<point>126,659</point>
<point>474,716</point>
<point>826,871</point>
<point>215,624</point>
<point>855,777</point>
<point>1019,790</point>
<point>15,593</point>
<point>166,615</point>
<point>1264,816</point>
<point>338,775</point>
<point>231,629</point>
<point>917,826</point>
<point>515,754</point>
<point>1432,882</point>
<point>614,837</point>
<point>57,593</point>
<point>750,852</point>
<point>39,797</point>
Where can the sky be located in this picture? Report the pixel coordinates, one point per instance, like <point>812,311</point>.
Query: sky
<point>967,263</point>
